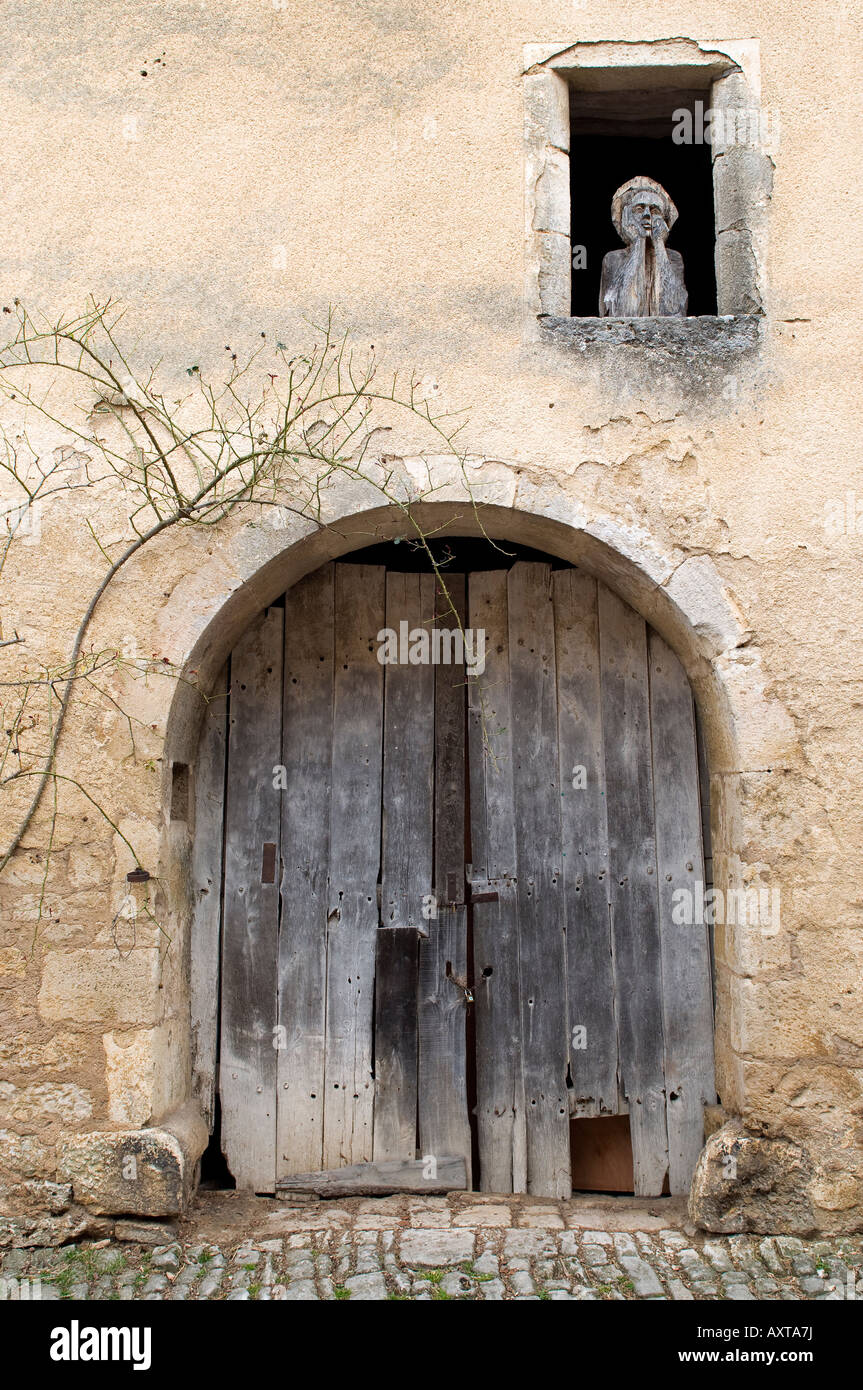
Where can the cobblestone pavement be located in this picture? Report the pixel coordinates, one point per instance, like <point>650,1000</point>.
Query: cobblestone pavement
<point>466,1246</point>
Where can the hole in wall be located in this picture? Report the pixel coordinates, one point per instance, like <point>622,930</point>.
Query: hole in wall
<point>179,791</point>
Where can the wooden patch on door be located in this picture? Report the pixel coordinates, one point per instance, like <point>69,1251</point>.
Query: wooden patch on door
<point>601,1149</point>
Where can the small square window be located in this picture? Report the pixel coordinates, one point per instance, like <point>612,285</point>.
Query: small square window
<point>600,114</point>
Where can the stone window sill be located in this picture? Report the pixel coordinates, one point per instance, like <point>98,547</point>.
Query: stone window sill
<point>714,333</point>
<point>695,356</point>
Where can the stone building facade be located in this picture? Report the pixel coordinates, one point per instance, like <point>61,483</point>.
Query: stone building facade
<point>234,168</point>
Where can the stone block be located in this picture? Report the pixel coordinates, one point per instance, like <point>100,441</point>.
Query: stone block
<point>44,1100</point>
<point>129,1074</point>
<point>13,966</point>
<point>145,1172</point>
<point>432,1248</point>
<point>99,986</point>
<point>697,589</point>
<point>744,1182</point>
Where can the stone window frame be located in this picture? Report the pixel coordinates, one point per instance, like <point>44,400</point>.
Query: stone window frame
<point>742,172</point>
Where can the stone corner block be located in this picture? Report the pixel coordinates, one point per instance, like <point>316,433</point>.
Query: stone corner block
<point>746,1182</point>
<point>143,1172</point>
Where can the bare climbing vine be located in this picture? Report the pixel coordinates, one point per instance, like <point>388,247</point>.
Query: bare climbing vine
<point>272,431</point>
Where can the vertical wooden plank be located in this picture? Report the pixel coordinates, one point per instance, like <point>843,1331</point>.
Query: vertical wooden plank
<point>444,1126</point>
<point>395,1135</point>
<point>307,755</point>
<point>408,775</point>
<point>206,875</point>
<point>687,1004</point>
<point>590,981</point>
<point>634,892</point>
<point>355,833</point>
<point>406,873</point>
<point>704,799</point>
<point>248,1061</point>
<point>500,1091</point>
<point>707,840</point>
<point>542,952</point>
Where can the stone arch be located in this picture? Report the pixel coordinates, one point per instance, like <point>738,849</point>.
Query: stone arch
<point>682,596</point>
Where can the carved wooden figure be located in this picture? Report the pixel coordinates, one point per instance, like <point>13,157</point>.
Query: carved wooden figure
<point>644,278</point>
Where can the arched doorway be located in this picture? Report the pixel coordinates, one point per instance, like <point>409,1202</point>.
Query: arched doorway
<point>448,915</point>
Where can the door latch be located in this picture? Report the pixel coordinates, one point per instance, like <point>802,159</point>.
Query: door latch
<point>480,890</point>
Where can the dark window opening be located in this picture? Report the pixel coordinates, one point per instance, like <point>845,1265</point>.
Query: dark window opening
<point>615,136</point>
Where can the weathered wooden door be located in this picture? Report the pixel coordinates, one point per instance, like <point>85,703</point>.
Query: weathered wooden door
<point>356,936</point>
<point>585,819</point>
<point>344,936</point>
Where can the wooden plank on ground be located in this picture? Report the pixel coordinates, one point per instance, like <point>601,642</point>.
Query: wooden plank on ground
<point>307,755</point>
<point>248,1060</point>
<point>634,892</point>
<point>207,847</point>
<point>687,1003</point>
<point>378,1178</point>
<point>500,1113</point>
<point>355,826</point>
<point>541,915</point>
<point>590,981</point>
<point>395,1134</point>
<point>408,775</point>
<point>444,1125</point>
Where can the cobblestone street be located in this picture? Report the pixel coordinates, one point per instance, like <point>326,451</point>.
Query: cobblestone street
<point>466,1246</point>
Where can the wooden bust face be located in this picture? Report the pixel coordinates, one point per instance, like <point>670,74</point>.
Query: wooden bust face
<point>639,212</point>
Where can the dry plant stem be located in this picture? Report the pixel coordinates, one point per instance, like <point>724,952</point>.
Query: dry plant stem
<point>270,450</point>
